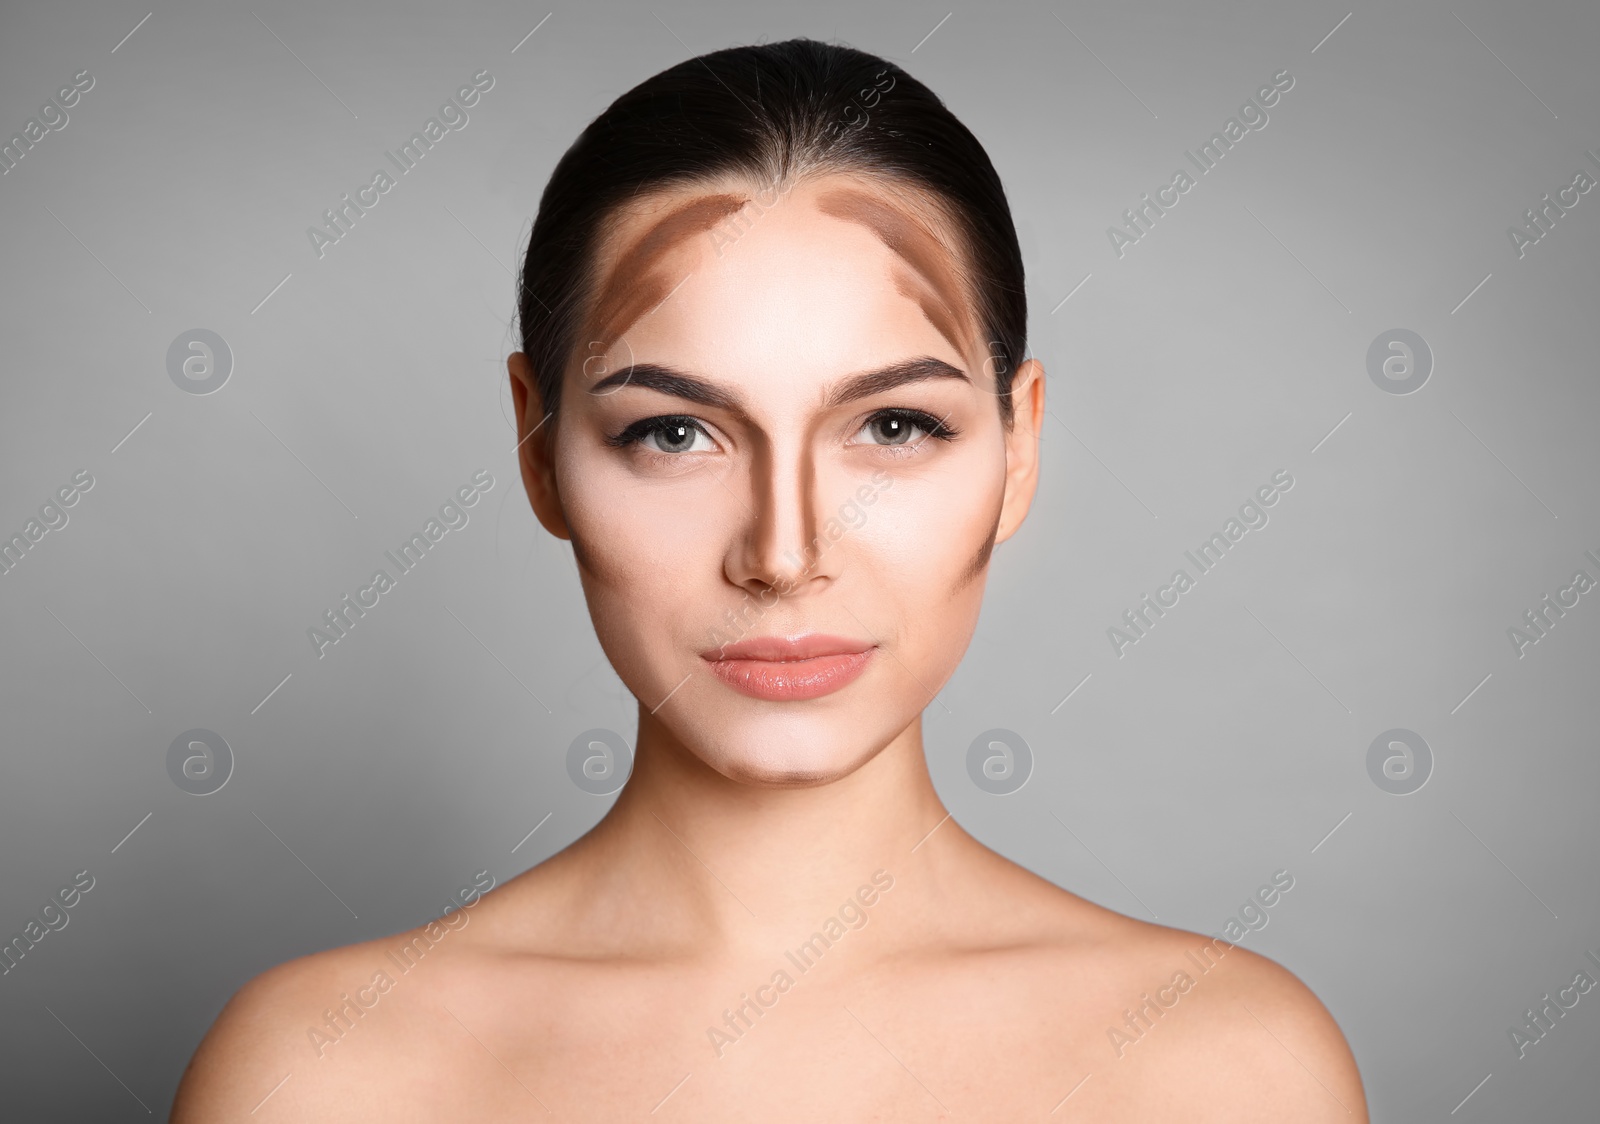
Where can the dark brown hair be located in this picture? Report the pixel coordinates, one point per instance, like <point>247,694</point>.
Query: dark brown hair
<point>768,112</point>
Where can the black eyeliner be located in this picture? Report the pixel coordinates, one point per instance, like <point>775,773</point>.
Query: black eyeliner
<point>646,426</point>
<point>932,426</point>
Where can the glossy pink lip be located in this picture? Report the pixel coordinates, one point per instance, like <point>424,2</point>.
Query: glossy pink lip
<point>785,670</point>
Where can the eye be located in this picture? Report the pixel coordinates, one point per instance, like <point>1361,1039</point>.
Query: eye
<point>904,427</point>
<point>669,434</point>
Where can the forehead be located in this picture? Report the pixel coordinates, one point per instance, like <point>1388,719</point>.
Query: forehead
<point>640,262</point>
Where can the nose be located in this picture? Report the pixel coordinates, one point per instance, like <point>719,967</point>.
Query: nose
<point>781,543</point>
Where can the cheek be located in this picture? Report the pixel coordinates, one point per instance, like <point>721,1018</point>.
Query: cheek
<point>648,557</point>
<point>636,533</point>
<point>927,535</point>
<point>945,519</point>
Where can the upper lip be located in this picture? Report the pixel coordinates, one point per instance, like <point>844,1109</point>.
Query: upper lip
<point>782,648</point>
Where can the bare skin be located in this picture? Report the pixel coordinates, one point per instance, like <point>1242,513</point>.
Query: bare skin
<point>778,919</point>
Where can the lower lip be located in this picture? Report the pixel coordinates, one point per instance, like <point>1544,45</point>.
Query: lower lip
<point>791,680</point>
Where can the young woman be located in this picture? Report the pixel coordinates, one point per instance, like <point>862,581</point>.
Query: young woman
<point>772,390</point>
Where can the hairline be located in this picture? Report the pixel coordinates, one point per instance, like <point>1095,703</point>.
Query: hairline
<point>914,202</point>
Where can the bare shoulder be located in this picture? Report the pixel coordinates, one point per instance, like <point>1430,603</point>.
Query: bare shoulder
<point>1224,1033</point>
<point>1173,1023</point>
<point>370,1027</point>
<point>259,1039</point>
<point>333,1025</point>
<point>1260,1044</point>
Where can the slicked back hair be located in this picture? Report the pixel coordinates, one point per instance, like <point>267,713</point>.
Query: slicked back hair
<point>770,113</point>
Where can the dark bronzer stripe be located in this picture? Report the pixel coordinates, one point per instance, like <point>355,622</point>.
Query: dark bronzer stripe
<point>935,309</point>
<point>913,242</point>
<point>980,560</point>
<point>632,290</point>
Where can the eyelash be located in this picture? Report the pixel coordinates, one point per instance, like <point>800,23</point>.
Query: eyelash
<point>635,433</point>
<point>933,427</point>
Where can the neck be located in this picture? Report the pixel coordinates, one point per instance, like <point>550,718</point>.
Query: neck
<point>711,863</point>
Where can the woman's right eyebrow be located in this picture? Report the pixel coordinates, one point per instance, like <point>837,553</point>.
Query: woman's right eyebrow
<point>669,380</point>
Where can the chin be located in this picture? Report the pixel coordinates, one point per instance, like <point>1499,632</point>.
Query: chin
<point>791,754</point>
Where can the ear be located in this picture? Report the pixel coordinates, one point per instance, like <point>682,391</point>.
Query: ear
<point>1022,447</point>
<point>535,446</point>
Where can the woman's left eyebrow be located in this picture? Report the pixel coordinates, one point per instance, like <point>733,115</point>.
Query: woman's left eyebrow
<point>887,378</point>
<point>679,384</point>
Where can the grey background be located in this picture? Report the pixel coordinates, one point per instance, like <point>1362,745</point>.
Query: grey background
<point>1228,344</point>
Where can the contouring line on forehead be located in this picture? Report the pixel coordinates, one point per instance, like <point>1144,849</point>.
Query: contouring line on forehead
<point>632,289</point>
<point>632,292</point>
<point>912,242</point>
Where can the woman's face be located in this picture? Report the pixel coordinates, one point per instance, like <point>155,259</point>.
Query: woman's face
<point>780,460</point>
